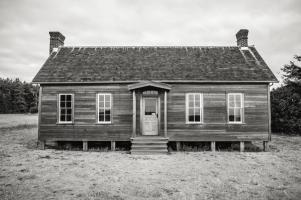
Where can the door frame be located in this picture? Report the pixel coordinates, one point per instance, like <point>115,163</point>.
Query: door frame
<point>142,112</point>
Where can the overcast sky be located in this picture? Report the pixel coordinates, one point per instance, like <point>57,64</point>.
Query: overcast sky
<point>274,27</point>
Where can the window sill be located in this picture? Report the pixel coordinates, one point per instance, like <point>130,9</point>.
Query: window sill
<point>197,123</point>
<point>103,123</point>
<point>237,123</point>
<point>65,123</point>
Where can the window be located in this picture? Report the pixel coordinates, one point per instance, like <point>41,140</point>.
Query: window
<point>194,108</point>
<point>65,108</point>
<point>235,107</point>
<point>150,106</point>
<point>104,108</point>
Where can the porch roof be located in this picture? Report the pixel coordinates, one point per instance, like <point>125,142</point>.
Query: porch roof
<point>149,84</point>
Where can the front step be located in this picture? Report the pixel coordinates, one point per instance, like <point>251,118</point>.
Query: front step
<point>149,145</point>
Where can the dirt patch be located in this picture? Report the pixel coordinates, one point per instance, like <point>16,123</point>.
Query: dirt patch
<point>29,173</point>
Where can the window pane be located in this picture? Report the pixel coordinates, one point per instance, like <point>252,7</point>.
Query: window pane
<point>101,104</point>
<point>191,115</point>
<point>197,115</point>
<point>197,118</point>
<point>62,104</point>
<point>191,104</point>
<point>150,106</point>
<point>237,114</point>
<point>107,112</point>
<point>107,98</point>
<point>107,115</point>
<point>101,114</point>
<point>63,111</point>
<point>197,100</point>
<point>231,115</point>
<point>63,97</point>
<point>69,104</point>
<point>68,97</point>
<point>101,117</point>
<point>237,118</point>
<point>68,118</point>
<point>237,101</point>
<point>69,111</point>
<point>101,97</point>
<point>108,104</point>
<point>62,118</point>
<point>231,101</point>
<point>101,111</point>
<point>190,98</point>
<point>191,118</point>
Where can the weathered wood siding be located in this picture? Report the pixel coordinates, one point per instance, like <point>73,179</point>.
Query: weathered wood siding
<point>85,125</point>
<point>215,126</point>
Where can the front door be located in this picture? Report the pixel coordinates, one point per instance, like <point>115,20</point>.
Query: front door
<point>150,116</point>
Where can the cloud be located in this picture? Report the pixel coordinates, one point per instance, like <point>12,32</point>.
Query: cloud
<point>274,27</point>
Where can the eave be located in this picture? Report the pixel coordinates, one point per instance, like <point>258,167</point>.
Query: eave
<point>159,81</point>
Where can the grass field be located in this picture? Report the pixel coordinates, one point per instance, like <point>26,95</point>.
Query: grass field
<point>29,173</point>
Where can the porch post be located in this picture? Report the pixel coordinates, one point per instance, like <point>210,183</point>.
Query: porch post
<point>165,113</point>
<point>85,145</point>
<point>134,114</point>
<point>242,146</point>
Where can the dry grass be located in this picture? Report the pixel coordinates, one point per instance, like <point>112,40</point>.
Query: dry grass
<point>29,173</point>
<point>13,120</point>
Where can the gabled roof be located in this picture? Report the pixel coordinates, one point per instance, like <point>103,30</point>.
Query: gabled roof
<point>149,84</point>
<point>165,64</point>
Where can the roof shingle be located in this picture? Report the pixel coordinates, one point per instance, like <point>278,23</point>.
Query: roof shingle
<point>97,64</point>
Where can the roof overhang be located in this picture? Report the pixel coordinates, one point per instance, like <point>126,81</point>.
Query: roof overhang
<point>157,81</point>
<point>149,84</point>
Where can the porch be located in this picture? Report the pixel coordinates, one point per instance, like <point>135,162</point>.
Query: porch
<point>149,133</point>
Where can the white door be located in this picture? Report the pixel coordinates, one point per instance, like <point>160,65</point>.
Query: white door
<point>150,116</point>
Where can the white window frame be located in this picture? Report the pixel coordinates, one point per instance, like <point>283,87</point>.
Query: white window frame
<point>241,108</point>
<point>97,108</point>
<point>72,107</point>
<point>201,108</point>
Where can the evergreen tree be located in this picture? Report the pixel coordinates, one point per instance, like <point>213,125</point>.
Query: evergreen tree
<point>17,96</point>
<point>286,101</point>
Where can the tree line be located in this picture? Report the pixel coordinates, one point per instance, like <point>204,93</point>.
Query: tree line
<point>286,100</point>
<point>17,96</point>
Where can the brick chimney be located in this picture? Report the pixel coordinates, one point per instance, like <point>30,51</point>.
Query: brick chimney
<point>56,40</point>
<point>242,38</point>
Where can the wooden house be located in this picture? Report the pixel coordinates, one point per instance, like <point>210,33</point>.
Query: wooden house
<point>152,95</point>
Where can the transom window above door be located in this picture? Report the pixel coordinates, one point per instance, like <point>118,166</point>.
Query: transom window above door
<point>194,108</point>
